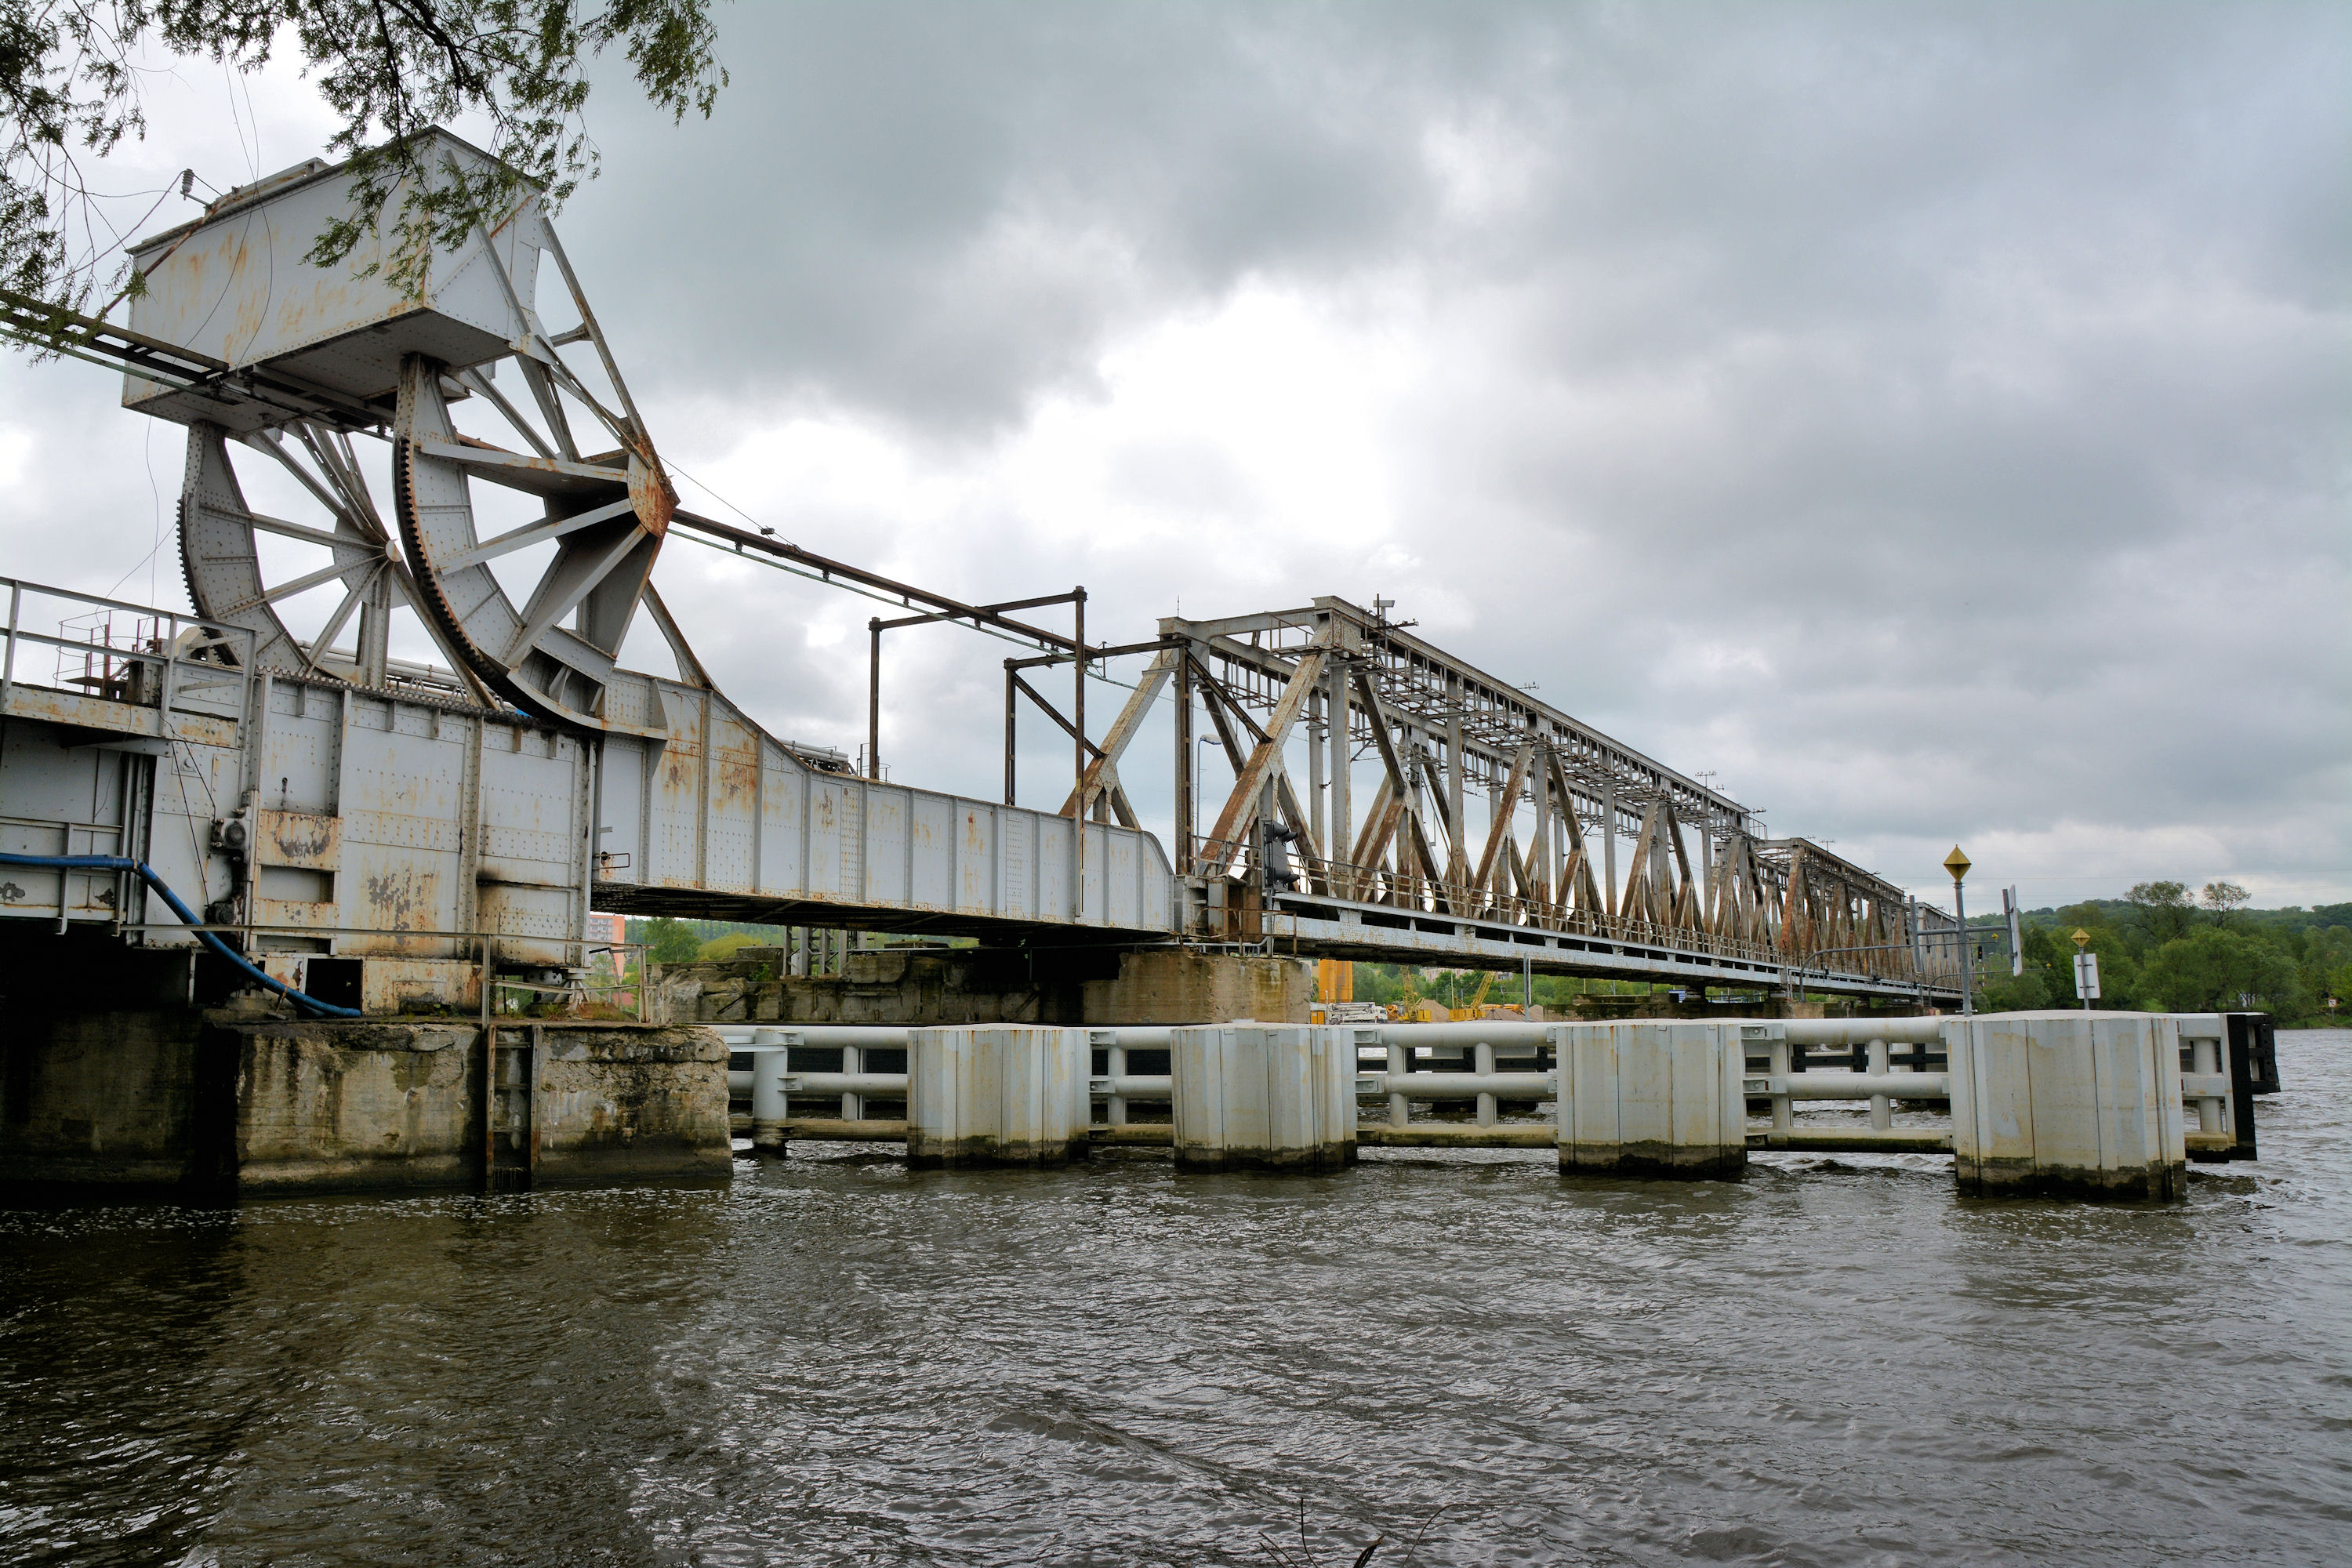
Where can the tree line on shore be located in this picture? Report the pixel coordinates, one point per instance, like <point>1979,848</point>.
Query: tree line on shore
<point>2162,949</point>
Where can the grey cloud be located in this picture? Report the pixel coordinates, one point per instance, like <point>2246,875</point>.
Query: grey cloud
<point>1932,417</point>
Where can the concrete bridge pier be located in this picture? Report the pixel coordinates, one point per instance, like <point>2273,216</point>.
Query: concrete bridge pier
<point>1264,1096</point>
<point>2068,1104</point>
<point>993,1095</point>
<point>1651,1099</point>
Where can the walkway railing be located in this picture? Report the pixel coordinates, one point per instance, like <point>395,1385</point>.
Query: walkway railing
<point>1381,888</point>
<point>162,664</point>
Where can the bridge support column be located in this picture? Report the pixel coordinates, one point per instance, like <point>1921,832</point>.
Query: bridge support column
<point>2067,1103</point>
<point>1264,1096</point>
<point>996,1094</point>
<point>1653,1098</point>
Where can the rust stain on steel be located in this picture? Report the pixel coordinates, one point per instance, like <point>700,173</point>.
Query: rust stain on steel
<point>298,912</point>
<point>302,839</point>
<point>74,708</point>
<point>681,773</point>
<point>735,755</point>
<point>650,496</point>
<point>403,899</point>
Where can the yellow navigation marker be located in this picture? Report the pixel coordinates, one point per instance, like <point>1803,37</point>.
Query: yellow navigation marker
<point>1957,863</point>
<point>2081,937</point>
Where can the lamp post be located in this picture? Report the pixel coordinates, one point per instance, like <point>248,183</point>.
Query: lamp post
<point>1958,865</point>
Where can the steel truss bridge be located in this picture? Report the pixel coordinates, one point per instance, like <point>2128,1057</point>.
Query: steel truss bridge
<point>447,462</point>
<point>1492,833</point>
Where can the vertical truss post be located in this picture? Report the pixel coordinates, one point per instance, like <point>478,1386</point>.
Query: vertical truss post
<point>873,699</point>
<point>1012,685</point>
<point>1707,912</point>
<point>1342,822</point>
<point>1316,817</point>
<point>1184,780</point>
<point>1457,776</point>
<point>1608,845</point>
<point>1541,856</point>
<point>1078,739</point>
<point>1489,889</point>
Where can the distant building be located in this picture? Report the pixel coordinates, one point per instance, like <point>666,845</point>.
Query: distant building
<point>606,931</point>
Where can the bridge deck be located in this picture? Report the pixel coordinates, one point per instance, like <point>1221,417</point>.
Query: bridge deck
<point>1337,929</point>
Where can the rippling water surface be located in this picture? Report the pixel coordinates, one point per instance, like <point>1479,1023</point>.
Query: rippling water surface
<point>840,1362</point>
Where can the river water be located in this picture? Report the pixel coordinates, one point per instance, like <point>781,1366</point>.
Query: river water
<point>839,1361</point>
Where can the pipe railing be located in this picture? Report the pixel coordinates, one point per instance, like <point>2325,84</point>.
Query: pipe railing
<point>151,669</point>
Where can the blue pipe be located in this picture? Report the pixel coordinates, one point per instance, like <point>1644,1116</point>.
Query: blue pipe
<point>146,874</point>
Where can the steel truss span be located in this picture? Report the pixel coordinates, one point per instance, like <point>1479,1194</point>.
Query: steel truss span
<point>1495,829</point>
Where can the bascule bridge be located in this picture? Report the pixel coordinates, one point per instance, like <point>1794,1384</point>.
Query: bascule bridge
<point>459,453</point>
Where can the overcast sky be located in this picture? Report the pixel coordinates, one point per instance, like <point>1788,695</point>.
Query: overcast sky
<point>1930,420</point>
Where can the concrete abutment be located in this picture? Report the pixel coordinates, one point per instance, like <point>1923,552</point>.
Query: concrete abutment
<point>940,986</point>
<point>214,1105</point>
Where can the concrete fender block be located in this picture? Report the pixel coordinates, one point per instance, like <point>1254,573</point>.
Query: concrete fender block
<point>1653,1098</point>
<point>624,1104</point>
<point>996,1094</point>
<point>2067,1103</point>
<point>325,1106</point>
<point>1264,1096</point>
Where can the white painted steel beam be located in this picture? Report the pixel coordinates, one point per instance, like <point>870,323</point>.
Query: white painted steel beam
<point>1458,1085</point>
<point>1852,1085</point>
<point>718,817</point>
<point>1133,1085</point>
<point>882,1085</point>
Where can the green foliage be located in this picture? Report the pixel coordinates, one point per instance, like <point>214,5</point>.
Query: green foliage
<point>2222,900</point>
<point>1385,983</point>
<point>2050,968</point>
<point>668,942</point>
<point>2326,971</point>
<point>725,947</point>
<point>2291,960</point>
<point>2215,968</point>
<point>2162,909</point>
<point>388,69</point>
<point>2016,993</point>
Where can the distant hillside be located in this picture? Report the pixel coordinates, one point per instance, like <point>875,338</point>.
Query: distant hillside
<point>2119,911</point>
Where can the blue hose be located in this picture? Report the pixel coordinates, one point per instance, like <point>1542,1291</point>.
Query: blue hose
<point>146,874</point>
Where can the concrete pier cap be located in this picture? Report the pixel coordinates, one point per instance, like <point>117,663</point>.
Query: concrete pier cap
<point>2068,1104</point>
<point>1264,1096</point>
<point>989,1095</point>
<point>1652,1098</point>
